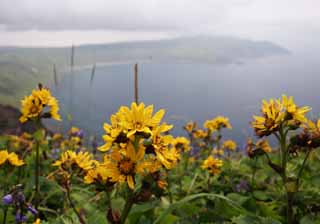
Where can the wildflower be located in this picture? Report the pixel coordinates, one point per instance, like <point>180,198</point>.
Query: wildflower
<point>140,119</point>
<point>7,199</point>
<point>199,133</point>
<point>98,174</point>
<point>277,111</point>
<point>38,221</point>
<point>242,186</point>
<point>34,105</point>
<point>271,119</point>
<point>190,126</point>
<point>217,151</point>
<point>293,111</point>
<point>217,123</point>
<point>230,145</point>
<point>162,184</point>
<point>68,159</point>
<point>160,147</point>
<point>20,218</point>
<point>263,144</point>
<point>310,137</point>
<point>181,143</point>
<point>191,159</point>
<point>122,167</point>
<point>127,122</point>
<point>32,210</point>
<point>212,165</point>
<point>12,158</point>
<point>250,148</point>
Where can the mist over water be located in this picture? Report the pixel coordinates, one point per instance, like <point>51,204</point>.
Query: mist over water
<point>190,91</point>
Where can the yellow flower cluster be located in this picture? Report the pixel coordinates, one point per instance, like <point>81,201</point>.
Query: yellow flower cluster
<point>229,145</point>
<point>264,145</point>
<point>182,144</point>
<point>199,134</point>
<point>34,106</point>
<point>71,159</point>
<point>277,111</point>
<point>12,158</point>
<point>213,165</point>
<point>312,126</point>
<point>38,221</point>
<point>136,144</point>
<point>190,126</point>
<point>261,146</point>
<point>217,124</point>
<point>120,166</point>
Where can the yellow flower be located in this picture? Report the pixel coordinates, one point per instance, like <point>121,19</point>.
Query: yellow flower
<point>217,123</point>
<point>140,119</point>
<point>69,158</point>
<point>162,184</point>
<point>33,106</point>
<point>181,143</point>
<point>127,122</point>
<point>160,147</point>
<point>271,119</point>
<point>38,221</point>
<point>311,126</point>
<point>212,165</point>
<point>12,158</point>
<point>293,111</point>
<point>199,133</point>
<point>219,152</point>
<point>230,145</point>
<point>122,167</point>
<point>264,145</point>
<point>191,159</point>
<point>98,173</point>
<point>190,126</point>
<point>277,111</point>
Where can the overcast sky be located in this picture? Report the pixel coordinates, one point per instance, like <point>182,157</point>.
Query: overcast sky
<point>62,22</point>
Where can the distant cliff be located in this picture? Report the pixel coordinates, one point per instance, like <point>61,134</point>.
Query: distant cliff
<point>22,68</point>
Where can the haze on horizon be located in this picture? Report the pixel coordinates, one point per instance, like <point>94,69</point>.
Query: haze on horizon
<point>290,23</point>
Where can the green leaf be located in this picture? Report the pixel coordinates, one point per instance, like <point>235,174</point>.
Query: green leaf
<point>177,204</point>
<point>169,219</point>
<point>260,195</point>
<point>310,220</point>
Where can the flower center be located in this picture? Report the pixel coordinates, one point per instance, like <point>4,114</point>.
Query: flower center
<point>138,125</point>
<point>126,166</point>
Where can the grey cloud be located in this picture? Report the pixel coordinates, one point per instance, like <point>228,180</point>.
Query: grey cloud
<point>118,15</point>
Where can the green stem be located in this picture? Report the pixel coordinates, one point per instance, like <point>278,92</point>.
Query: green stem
<point>254,171</point>
<point>73,206</point>
<point>37,173</point>
<point>126,209</point>
<point>290,195</point>
<point>37,167</point>
<point>168,188</point>
<point>209,182</point>
<point>283,148</point>
<point>302,167</point>
<point>290,215</point>
<point>5,211</point>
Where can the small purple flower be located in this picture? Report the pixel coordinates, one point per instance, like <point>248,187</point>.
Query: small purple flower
<point>55,153</point>
<point>242,186</point>
<point>20,218</point>
<point>21,198</point>
<point>80,133</point>
<point>7,199</point>
<point>32,210</point>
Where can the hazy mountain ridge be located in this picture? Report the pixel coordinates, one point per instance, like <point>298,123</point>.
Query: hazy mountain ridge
<point>22,67</point>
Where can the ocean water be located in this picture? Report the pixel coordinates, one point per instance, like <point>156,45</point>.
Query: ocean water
<point>191,91</point>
